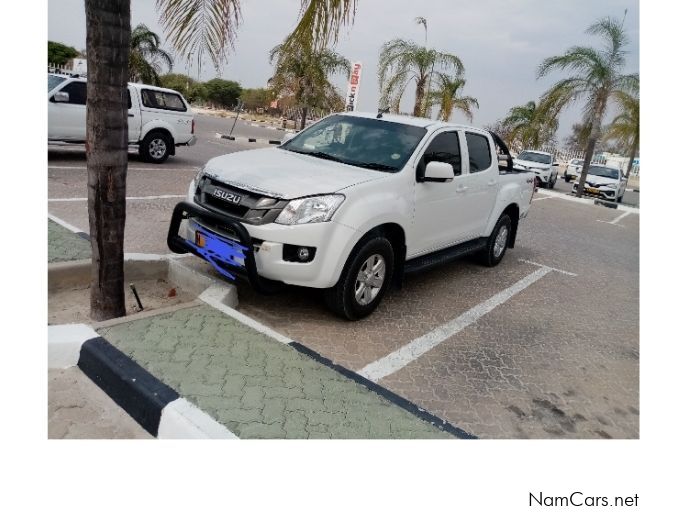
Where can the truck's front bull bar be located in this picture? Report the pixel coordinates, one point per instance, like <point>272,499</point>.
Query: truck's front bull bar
<point>226,255</point>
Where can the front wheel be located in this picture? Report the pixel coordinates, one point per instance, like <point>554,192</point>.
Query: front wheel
<point>567,179</point>
<point>155,147</point>
<point>497,243</point>
<point>364,280</point>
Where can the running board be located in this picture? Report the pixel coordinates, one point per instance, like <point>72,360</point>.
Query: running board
<point>431,260</point>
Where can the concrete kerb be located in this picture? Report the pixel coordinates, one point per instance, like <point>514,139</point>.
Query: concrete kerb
<point>249,140</point>
<point>158,408</point>
<point>588,200</point>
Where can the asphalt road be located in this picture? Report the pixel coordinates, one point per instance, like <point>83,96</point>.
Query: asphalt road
<point>559,357</point>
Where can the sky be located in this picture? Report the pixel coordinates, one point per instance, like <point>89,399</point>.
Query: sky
<point>501,42</point>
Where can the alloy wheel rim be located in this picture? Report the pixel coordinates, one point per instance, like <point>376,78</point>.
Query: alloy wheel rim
<point>369,280</point>
<point>157,148</point>
<point>500,241</point>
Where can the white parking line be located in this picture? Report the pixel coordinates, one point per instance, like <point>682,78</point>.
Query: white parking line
<point>617,219</point>
<point>548,267</point>
<point>144,198</point>
<point>418,347</point>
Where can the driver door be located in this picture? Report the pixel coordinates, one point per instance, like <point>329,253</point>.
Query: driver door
<point>437,221</point>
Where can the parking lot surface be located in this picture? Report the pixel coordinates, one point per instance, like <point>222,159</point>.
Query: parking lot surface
<point>543,346</point>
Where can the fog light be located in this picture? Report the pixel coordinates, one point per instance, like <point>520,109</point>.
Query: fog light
<point>303,254</point>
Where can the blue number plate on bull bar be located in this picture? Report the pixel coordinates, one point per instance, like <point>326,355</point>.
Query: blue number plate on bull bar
<point>229,257</point>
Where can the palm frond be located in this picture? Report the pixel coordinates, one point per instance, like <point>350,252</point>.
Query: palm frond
<point>200,27</point>
<point>320,23</point>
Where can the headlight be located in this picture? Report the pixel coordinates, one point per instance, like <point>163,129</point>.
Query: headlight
<point>310,209</point>
<point>198,177</point>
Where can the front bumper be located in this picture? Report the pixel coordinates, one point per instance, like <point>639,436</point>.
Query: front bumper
<point>600,193</point>
<point>264,246</point>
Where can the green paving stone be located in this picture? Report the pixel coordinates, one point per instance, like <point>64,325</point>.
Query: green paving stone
<point>65,246</point>
<point>256,386</point>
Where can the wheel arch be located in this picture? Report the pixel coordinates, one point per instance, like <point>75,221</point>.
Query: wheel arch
<point>513,212</point>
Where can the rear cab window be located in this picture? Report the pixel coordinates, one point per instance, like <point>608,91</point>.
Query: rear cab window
<point>479,152</point>
<point>162,100</point>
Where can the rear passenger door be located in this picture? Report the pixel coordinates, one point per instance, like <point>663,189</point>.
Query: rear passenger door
<point>478,188</point>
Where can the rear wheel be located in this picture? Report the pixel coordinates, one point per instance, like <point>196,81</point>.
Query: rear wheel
<point>567,178</point>
<point>364,280</point>
<point>155,147</point>
<point>497,243</point>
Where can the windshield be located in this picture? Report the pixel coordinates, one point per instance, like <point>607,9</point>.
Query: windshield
<point>536,157</point>
<point>362,142</point>
<point>53,81</point>
<point>611,173</point>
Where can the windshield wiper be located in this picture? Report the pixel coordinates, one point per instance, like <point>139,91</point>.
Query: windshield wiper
<point>375,166</point>
<point>318,154</point>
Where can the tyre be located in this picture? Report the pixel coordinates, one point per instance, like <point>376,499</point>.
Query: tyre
<point>552,182</point>
<point>497,243</point>
<point>620,199</point>
<point>155,147</point>
<point>567,179</point>
<point>366,276</point>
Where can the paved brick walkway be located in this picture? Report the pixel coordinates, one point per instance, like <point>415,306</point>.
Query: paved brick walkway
<point>64,246</point>
<point>256,386</point>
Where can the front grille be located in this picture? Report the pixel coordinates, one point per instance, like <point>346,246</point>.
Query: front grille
<point>246,210</point>
<point>225,207</point>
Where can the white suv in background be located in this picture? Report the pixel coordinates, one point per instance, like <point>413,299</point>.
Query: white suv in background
<point>573,169</point>
<point>159,119</point>
<point>540,163</point>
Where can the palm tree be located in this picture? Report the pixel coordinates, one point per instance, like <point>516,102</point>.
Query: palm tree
<point>625,127</point>
<point>145,56</point>
<point>108,29</point>
<point>304,73</point>
<point>195,28</point>
<point>447,94</point>
<point>402,62</point>
<point>596,76</point>
<point>530,125</point>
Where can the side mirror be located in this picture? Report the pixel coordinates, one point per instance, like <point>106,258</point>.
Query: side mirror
<point>438,172</point>
<point>61,96</point>
<point>287,137</point>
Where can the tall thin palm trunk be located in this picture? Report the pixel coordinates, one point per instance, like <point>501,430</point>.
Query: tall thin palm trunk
<point>595,133</point>
<point>420,98</point>
<point>634,151</point>
<point>108,29</point>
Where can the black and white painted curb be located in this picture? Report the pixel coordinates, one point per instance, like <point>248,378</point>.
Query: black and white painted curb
<point>158,408</point>
<point>69,227</point>
<point>548,194</point>
<point>249,140</point>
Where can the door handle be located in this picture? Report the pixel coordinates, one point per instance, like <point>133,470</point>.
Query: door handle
<point>461,189</point>
<point>131,115</point>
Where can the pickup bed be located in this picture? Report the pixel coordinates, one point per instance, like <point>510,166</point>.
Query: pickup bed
<point>352,203</point>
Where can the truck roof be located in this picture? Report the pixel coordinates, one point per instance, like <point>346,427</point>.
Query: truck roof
<point>133,84</point>
<point>411,120</point>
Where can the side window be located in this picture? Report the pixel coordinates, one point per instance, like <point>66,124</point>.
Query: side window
<point>77,92</point>
<point>128,99</point>
<point>162,100</point>
<point>479,155</point>
<point>444,148</point>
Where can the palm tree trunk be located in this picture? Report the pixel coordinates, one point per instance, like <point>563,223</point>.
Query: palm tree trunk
<point>108,29</point>
<point>634,150</point>
<point>592,141</point>
<point>420,98</point>
<point>304,114</point>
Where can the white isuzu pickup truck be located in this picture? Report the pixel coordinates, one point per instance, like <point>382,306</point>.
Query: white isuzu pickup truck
<point>352,203</point>
<point>159,119</point>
